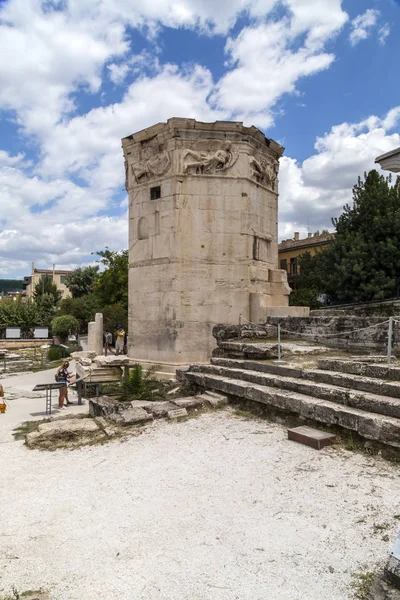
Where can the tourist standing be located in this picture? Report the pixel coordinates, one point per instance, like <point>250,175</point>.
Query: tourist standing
<point>108,342</point>
<point>63,376</point>
<point>119,340</point>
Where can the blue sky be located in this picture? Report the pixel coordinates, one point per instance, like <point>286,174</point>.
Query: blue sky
<point>319,76</point>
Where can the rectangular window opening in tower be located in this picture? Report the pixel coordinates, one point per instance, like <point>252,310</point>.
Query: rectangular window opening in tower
<point>155,192</point>
<point>261,249</point>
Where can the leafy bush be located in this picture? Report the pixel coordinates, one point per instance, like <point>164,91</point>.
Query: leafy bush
<point>63,325</point>
<point>58,352</point>
<point>55,353</point>
<point>142,386</point>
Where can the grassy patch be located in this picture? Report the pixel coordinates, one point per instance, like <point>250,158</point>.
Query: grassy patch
<point>22,430</point>
<point>378,527</point>
<point>352,442</point>
<point>16,595</point>
<point>26,427</point>
<point>110,389</point>
<point>245,414</point>
<point>362,584</point>
<point>141,385</point>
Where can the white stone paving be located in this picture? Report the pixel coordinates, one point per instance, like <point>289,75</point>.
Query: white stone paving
<point>214,508</point>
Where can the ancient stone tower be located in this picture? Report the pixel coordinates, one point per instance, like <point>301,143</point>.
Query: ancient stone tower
<point>203,208</point>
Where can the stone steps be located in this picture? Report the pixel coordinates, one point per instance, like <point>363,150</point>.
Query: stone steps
<point>383,405</point>
<point>213,399</point>
<point>355,382</point>
<point>354,367</point>
<point>363,397</point>
<point>369,425</point>
<point>336,378</point>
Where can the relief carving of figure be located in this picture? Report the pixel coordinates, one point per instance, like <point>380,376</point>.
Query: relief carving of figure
<point>264,171</point>
<point>155,161</point>
<point>218,157</point>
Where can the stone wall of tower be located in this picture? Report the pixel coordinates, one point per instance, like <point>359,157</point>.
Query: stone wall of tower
<point>203,205</point>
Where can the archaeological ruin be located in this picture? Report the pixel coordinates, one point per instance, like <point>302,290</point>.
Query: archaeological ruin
<point>203,212</point>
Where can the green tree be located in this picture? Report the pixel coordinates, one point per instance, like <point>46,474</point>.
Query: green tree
<point>63,325</point>
<point>311,272</point>
<point>363,261</point>
<point>310,282</point>
<point>105,291</point>
<point>83,309</point>
<point>111,285</point>
<point>46,307</point>
<point>115,315</point>
<point>46,286</point>
<point>305,297</point>
<point>19,314</point>
<point>80,282</point>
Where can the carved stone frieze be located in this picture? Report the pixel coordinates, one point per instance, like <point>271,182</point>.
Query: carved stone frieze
<point>154,161</point>
<point>209,156</point>
<point>264,171</point>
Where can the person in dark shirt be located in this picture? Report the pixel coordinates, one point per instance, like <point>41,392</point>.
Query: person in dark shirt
<point>63,376</point>
<point>108,342</point>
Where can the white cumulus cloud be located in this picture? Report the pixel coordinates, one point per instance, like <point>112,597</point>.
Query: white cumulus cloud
<point>264,68</point>
<point>118,72</point>
<point>55,52</point>
<point>316,190</point>
<point>363,25</point>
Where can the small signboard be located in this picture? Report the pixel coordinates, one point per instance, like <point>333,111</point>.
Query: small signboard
<point>13,333</point>
<point>41,333</point>
<point>177,413</point>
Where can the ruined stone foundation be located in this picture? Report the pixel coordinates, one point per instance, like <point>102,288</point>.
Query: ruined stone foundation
<point>203,206</point>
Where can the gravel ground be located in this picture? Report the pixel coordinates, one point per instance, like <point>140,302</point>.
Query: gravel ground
<point>218,507</point>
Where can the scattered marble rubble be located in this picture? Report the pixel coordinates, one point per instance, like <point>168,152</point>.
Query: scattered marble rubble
<point>98,368</point>
<point>111,408</point>
<point>112,417</point>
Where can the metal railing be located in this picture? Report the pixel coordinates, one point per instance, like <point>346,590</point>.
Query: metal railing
<point>390,322</point>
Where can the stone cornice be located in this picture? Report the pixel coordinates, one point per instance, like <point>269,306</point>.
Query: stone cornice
<point>177,126</point>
